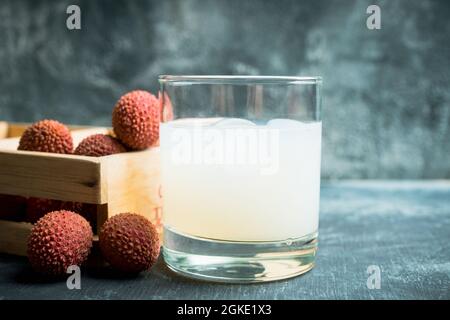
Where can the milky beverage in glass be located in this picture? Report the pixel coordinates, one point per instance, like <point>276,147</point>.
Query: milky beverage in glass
<point>240,175</point>
<point>215,187</point>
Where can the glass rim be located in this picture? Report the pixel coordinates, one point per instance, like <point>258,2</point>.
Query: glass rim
<point>240,79</point>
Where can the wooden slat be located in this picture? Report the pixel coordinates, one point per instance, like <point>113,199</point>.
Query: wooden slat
<point>133,183</point>
<point>13,237</point>
<point>16,129</point>
<point>3,129</point>
<point>52,176</point>
<point>9,144</point>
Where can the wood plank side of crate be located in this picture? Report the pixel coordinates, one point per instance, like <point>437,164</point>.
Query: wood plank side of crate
<point>16,129</point>
<point>3,129</point>
<point>133,183</point>
<point>9,143</point>
<point>51,176</point>
<point>13,237</point>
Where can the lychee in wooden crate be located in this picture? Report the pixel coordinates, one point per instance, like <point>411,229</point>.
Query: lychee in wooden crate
<point>125,182</point>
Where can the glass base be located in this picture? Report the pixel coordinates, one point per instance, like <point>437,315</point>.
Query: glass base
<point>238,261</point>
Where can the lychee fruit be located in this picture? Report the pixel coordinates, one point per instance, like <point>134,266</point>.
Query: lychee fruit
<point>86,210</point>
<point>12,207</point>
<point>129,242</point>
<point>99,145</point>
<point>136,119</point>
<point>58,240</point>
<point>47,136</point>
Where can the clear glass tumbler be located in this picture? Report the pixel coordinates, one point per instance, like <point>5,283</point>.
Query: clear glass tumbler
<point>240,175</point>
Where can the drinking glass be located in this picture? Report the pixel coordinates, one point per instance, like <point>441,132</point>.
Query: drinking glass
<point>240,170</point>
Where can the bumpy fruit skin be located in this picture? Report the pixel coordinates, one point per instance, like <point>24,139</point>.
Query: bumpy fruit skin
<point>12,207</point>
<point>129,242</point>
<point>136,119</point>
<point>99,145</point>
<point>47,136</point>
<point>58,240</point>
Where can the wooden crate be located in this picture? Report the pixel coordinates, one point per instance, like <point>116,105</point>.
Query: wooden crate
<point>126,182</point>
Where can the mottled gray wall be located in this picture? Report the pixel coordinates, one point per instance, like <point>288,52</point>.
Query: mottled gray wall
<point>386,106</point>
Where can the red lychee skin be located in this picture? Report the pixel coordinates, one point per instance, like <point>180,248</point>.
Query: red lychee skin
<point>36,208</point>
<point>166,108</point>
<point>136,119</point>
<point>86,210</point>
<point>58,240</point>
<point>129,242</point>
<point>12,207</point>
<point>47,136</point>
<point>99,145</point>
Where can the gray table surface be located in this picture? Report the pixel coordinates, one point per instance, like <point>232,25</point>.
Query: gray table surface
<point>401,227</point>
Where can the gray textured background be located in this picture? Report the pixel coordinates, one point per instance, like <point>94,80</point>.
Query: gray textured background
<point>386,92</point>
